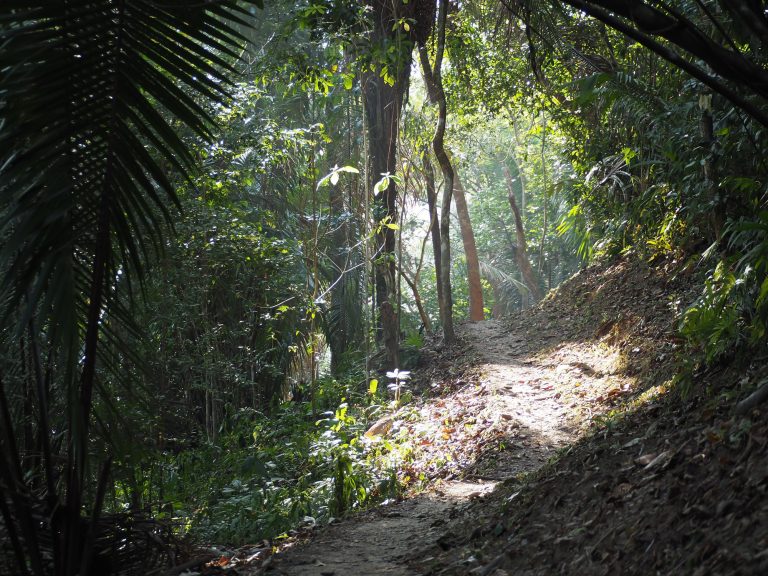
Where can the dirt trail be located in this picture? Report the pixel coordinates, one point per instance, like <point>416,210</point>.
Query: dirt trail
<point>530,394</point>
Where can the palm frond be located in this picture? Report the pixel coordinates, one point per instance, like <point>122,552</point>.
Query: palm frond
<point>509,292</point>
<point>93,97</point>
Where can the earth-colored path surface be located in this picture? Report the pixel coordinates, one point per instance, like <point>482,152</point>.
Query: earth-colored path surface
<point>526,396</point>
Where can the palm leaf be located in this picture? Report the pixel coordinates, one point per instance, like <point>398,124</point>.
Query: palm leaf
<point>507,289</point>
<point>93,94</point>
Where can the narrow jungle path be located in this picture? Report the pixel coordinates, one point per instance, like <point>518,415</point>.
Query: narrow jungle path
<point>529,393</point>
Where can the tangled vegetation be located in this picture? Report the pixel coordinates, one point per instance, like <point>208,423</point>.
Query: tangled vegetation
<point>227,230</point>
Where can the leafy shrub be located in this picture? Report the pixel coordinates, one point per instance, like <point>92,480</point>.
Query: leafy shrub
<point>733,308</point>
<point>273,472</point>
<point>711,325</point>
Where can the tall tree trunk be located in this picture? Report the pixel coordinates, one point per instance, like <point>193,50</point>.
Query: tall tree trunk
<point>382,106</point>
<point>434,81</point>
<point>383,102</point>
<point>519,171</point>
<point>470,253</point>
<point>545,177</point>
<point>338,338</point>
<point>521,254</point>
<point>414,282</point>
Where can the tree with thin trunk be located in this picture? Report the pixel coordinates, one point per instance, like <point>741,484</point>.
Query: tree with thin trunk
<point>434,82</point>
<point>545,200</point>
<point>434,225</point>
<point>521,254</point>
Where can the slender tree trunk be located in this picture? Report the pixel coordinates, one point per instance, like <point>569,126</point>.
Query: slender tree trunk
<point>520,176</point>
<point>425,321</point>
<point>470,252</point>
<point>545,176</point>
<point>543,235</point>
<point>434,83</point>
<point>445,259</point>
<point>338,341</point>
<point>529,276</point>
<point>343,286</point>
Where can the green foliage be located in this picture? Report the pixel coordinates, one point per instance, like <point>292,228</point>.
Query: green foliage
<point>658,164</point>
<point>733,308</point>
<point>256,473</point>
<point>712,324</point>
<point>105,152</point>
<point>271,473</point>
<point>96,99</point>
<point>575,227</point>
<point>414,340</point>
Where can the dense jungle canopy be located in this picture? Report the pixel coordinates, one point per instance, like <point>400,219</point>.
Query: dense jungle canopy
<point>228,227</point>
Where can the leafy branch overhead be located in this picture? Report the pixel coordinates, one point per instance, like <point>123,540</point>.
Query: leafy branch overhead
<point>717,44</point>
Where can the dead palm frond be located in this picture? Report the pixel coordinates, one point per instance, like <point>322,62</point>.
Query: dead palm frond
<point>509,292</point>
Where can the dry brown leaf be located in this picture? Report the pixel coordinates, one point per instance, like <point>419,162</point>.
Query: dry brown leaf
<point>380,427</point>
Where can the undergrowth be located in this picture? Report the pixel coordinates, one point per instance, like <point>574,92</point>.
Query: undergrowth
<point>730,318</point>
<point>291,468</point>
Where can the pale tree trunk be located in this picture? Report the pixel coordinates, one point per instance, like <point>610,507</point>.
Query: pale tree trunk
<point>545,175</point>
<point>521,254</point>
<point>433,77</point>
<point>414,281</point>
<point>470,253</point>
<point>338,339</point>
<point>521,177</point>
